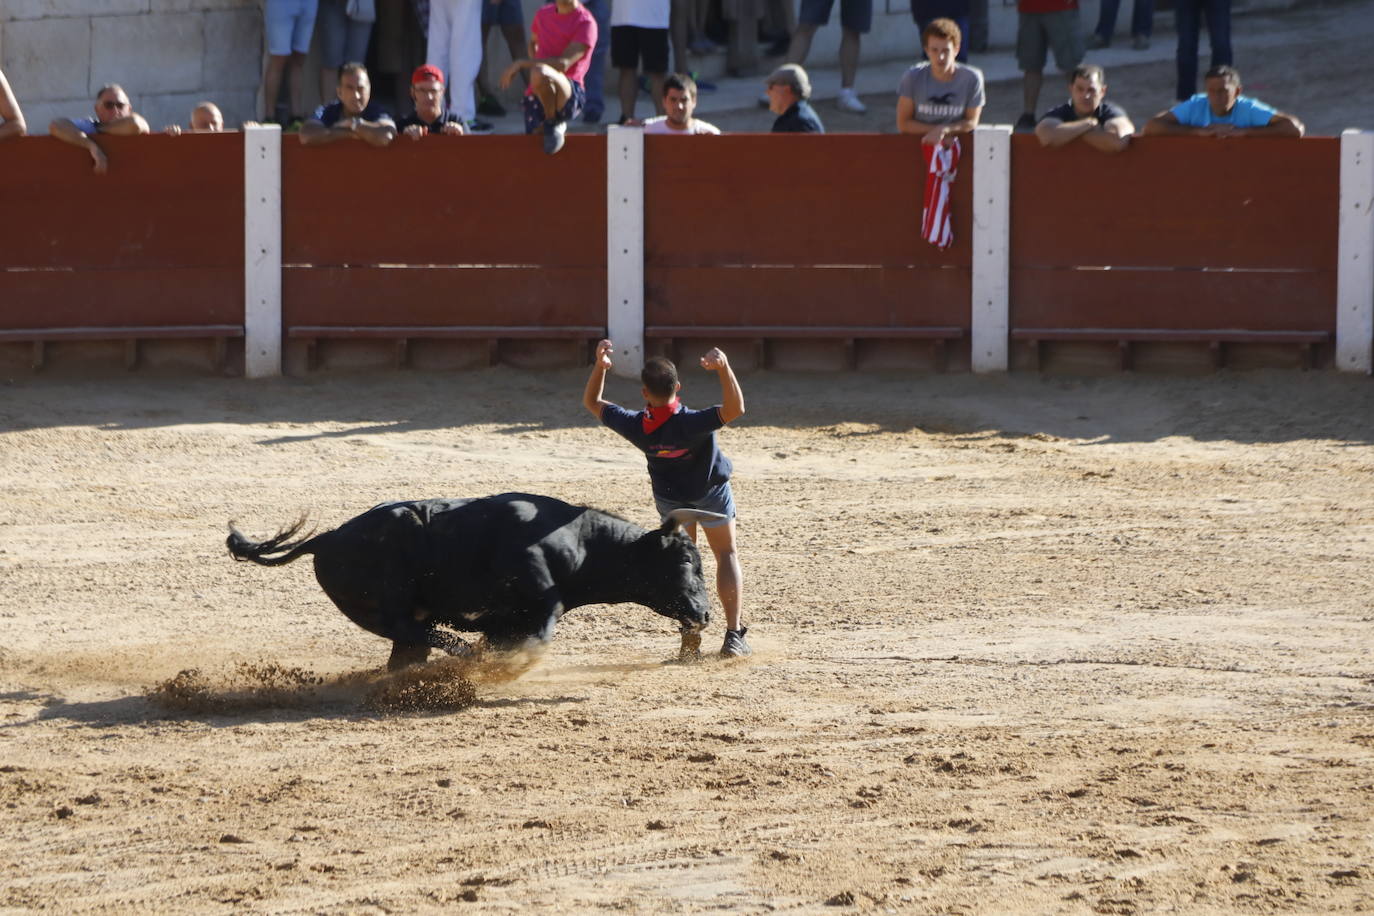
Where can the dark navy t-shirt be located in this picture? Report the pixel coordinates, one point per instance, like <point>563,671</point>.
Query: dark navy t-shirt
<point>329,115</point>
<point>1103,113</point>
<point>801,118</point>
<point>684,461</point>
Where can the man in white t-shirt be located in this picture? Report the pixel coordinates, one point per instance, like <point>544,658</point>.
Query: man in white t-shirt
<point>679,101</point>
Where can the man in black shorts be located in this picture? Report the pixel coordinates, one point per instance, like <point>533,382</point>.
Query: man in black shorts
<point>639,33</point>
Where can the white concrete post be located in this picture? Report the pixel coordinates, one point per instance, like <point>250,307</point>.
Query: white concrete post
<point>1355,255</point>
<point>262,331</point>
<point>991,248</point>
<point>625,247</point>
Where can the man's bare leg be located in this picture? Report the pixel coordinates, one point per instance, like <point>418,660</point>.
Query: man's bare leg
<point>801,43</point>
<point>271,85</point>
<point>849,57</point>
<point>629,91</point>
<point>552,88</point>
<point>729,578</point>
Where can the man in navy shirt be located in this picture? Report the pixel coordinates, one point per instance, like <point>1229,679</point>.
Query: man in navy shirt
<point>686,466</point>
<point>1087,115</point>
<point>788,90</point>
<point>353,116</point>
<point>429,117</point>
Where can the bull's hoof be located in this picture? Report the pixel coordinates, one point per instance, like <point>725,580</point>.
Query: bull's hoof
<point>690,650</point>
<point>403,655</point>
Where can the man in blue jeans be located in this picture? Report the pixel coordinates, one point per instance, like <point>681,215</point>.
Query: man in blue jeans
<point>1187,14</point>
<point>686,466</point>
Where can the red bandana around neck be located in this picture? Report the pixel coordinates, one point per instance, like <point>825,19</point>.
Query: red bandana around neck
<point>654,417</point>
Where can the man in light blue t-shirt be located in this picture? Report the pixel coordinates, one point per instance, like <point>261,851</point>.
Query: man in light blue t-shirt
<point>1223,112</point>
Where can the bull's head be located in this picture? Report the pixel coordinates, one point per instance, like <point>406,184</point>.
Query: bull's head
<point>671,566</point>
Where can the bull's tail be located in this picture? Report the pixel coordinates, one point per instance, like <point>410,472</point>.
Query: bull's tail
<point>280,544</point>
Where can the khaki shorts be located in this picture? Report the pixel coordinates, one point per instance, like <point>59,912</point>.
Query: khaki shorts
<point>1036,33</point>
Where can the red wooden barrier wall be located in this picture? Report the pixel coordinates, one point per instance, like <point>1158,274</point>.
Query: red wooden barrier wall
<point>446,231</point>
<point>1197,233</point>
<point>158,240</point>
<point>773,230</point>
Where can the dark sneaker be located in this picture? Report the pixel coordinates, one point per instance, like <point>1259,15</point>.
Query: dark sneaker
<point>1097,42</point>
<point>553,135</point>
<point>1140,42</point>
<point>478,127</point>
<point>592,116</point>
<point>735,644</point>
<point>491,107</point>
<point>1025,124</point>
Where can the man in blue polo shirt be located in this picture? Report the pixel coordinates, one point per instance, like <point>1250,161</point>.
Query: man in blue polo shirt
<point>1222,111</point>
<point>352,116</point>
<point>686,466</point>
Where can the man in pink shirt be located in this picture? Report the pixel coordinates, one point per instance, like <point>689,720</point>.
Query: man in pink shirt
<point>562,36</point>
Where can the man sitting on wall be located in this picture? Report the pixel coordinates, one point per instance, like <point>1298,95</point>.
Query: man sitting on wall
<point>113,115</point>
<point>1222,111</point>
<point>788,90</point>
<point>429,117</point>
<point>679,101</point>
<point>353,116</point>
<point>562,35</point>
<point>1087,115</point>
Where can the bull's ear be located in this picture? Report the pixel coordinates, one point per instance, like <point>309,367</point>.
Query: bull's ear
<point>679,517</point>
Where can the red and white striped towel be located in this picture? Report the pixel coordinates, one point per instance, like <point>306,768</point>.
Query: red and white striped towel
<point>944,164</point>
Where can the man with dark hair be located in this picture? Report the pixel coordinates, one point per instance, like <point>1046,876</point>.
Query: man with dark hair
<point>429,117</point>
<point>562,35</point>
<point>1087,115</point>
<point>679,101</point>
<point>113,115</point>
<point>1222,111</point>
<point>686,467</point>
<point>352,116</point>
<point>788,90</point>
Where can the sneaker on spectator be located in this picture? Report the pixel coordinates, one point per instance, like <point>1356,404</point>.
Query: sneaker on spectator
<point>778,48</point>
<point>849,101</point>
<point>491,107</point>
<point>735,644</point>
<point>1097,42</point>
<point>1140,42</point>
<point>702,46</point>
<point>477,127</point>
<point>554,132</point>
<point>1025,124</point>
<point>592,115</point>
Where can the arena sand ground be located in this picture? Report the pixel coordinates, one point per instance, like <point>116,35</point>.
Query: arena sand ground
<point>1024,645</point>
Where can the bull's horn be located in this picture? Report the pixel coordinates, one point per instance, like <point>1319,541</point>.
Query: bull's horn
<point>679,517</point>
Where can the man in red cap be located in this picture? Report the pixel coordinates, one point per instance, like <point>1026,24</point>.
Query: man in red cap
<point>429,117</point>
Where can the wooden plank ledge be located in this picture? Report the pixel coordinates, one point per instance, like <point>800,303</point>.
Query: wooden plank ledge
<point>40,337</point>
<point>1215,338</point>
<point>403,334</point>
<point>847,335</point>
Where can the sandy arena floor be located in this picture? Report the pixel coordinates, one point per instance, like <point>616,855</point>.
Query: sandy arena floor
<point>1023,646</point>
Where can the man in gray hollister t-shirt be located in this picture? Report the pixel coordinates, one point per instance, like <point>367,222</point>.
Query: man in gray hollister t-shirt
<point>940,97</point>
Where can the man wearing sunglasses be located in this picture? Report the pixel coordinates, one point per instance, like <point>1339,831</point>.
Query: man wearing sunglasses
<point>113,115</point>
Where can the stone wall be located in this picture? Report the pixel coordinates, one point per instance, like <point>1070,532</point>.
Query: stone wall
<point>168,55</point>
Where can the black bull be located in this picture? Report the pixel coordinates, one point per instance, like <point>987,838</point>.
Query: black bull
<point>505,566</point>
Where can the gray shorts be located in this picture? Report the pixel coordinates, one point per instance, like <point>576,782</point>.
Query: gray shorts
<point>1038,32</point>
<point>720,501</point>
<point>855,15</point>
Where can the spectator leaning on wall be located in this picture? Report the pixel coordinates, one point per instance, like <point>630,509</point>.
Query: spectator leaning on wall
<point>206,118</point>
<point>788,90</point>
<point>1222,111</point>
<point>11,118</point>
<point>940,98</point>
<point>679,101</point>
<point>113,115</point>
<point>353,116</point>
<point>429,117</point>
<point>1087,115</point>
